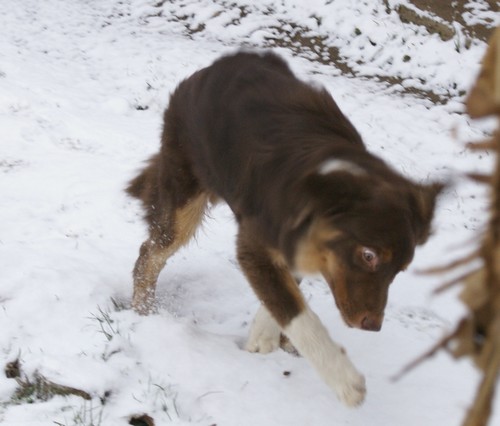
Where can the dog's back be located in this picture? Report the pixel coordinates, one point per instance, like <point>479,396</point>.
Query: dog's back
<point>253,110</point>
<point>246,122</point>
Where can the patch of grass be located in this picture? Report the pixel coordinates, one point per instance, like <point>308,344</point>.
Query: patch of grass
<point>86,415</point>
<point>39,388</point>
<point>106,324</point>
<point>163,398</point>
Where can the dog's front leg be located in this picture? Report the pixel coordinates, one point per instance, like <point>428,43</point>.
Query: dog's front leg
<point>265,333</point>
<point>312,340</point>
<point>279,293</point>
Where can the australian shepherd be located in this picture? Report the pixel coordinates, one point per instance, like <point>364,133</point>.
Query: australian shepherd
<point>307,196</point>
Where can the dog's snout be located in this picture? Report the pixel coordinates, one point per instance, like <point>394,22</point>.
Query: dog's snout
<point>371,323</point>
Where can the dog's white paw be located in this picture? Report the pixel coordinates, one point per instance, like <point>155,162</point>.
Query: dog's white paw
<point>263,343</point>
<point>264,334</point>
<point>349,385</point>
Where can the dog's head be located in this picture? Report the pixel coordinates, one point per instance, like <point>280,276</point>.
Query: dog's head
<point>362,231</point>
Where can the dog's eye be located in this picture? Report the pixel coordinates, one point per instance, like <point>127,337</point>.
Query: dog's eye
<point>370,257</point>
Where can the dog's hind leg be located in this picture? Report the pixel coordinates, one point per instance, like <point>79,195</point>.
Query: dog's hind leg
<point>279,293</point>
<point>168,232</point>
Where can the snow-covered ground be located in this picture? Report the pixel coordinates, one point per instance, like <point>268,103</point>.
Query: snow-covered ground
<point>82,88</point>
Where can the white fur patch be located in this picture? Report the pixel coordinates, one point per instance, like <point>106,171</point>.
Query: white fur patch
<point>337,165</point>
<point>313,342</point>
<point>264,334</point>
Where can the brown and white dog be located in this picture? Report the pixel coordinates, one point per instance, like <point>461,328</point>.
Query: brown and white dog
<point>307,195</point>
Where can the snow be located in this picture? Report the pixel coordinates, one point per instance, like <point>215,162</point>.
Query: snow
<point>83,86</point>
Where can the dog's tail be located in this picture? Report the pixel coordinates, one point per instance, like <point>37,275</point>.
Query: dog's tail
<point>136,186</point>
<point>143,186</point>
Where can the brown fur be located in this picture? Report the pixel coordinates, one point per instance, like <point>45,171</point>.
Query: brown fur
<point>247,131</point>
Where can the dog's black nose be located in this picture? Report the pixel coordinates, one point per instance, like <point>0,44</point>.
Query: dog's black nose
<point>371,323</point>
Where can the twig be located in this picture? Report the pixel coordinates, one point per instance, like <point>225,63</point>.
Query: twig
<point>450,266</point>
<point>428,354</point>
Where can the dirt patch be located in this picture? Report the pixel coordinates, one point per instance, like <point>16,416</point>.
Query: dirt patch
<point>455,11</point>
<point>437,17</point>
<point>407,15</point>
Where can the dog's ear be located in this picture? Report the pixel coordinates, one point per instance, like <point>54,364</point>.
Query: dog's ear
<point>422,204</point>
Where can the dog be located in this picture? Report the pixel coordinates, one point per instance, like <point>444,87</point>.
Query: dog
<point>307,195</point>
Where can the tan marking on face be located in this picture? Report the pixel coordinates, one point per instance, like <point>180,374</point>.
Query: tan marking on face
<point>314,256</point>
<point>311,256</point>
<point>334,274</point>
